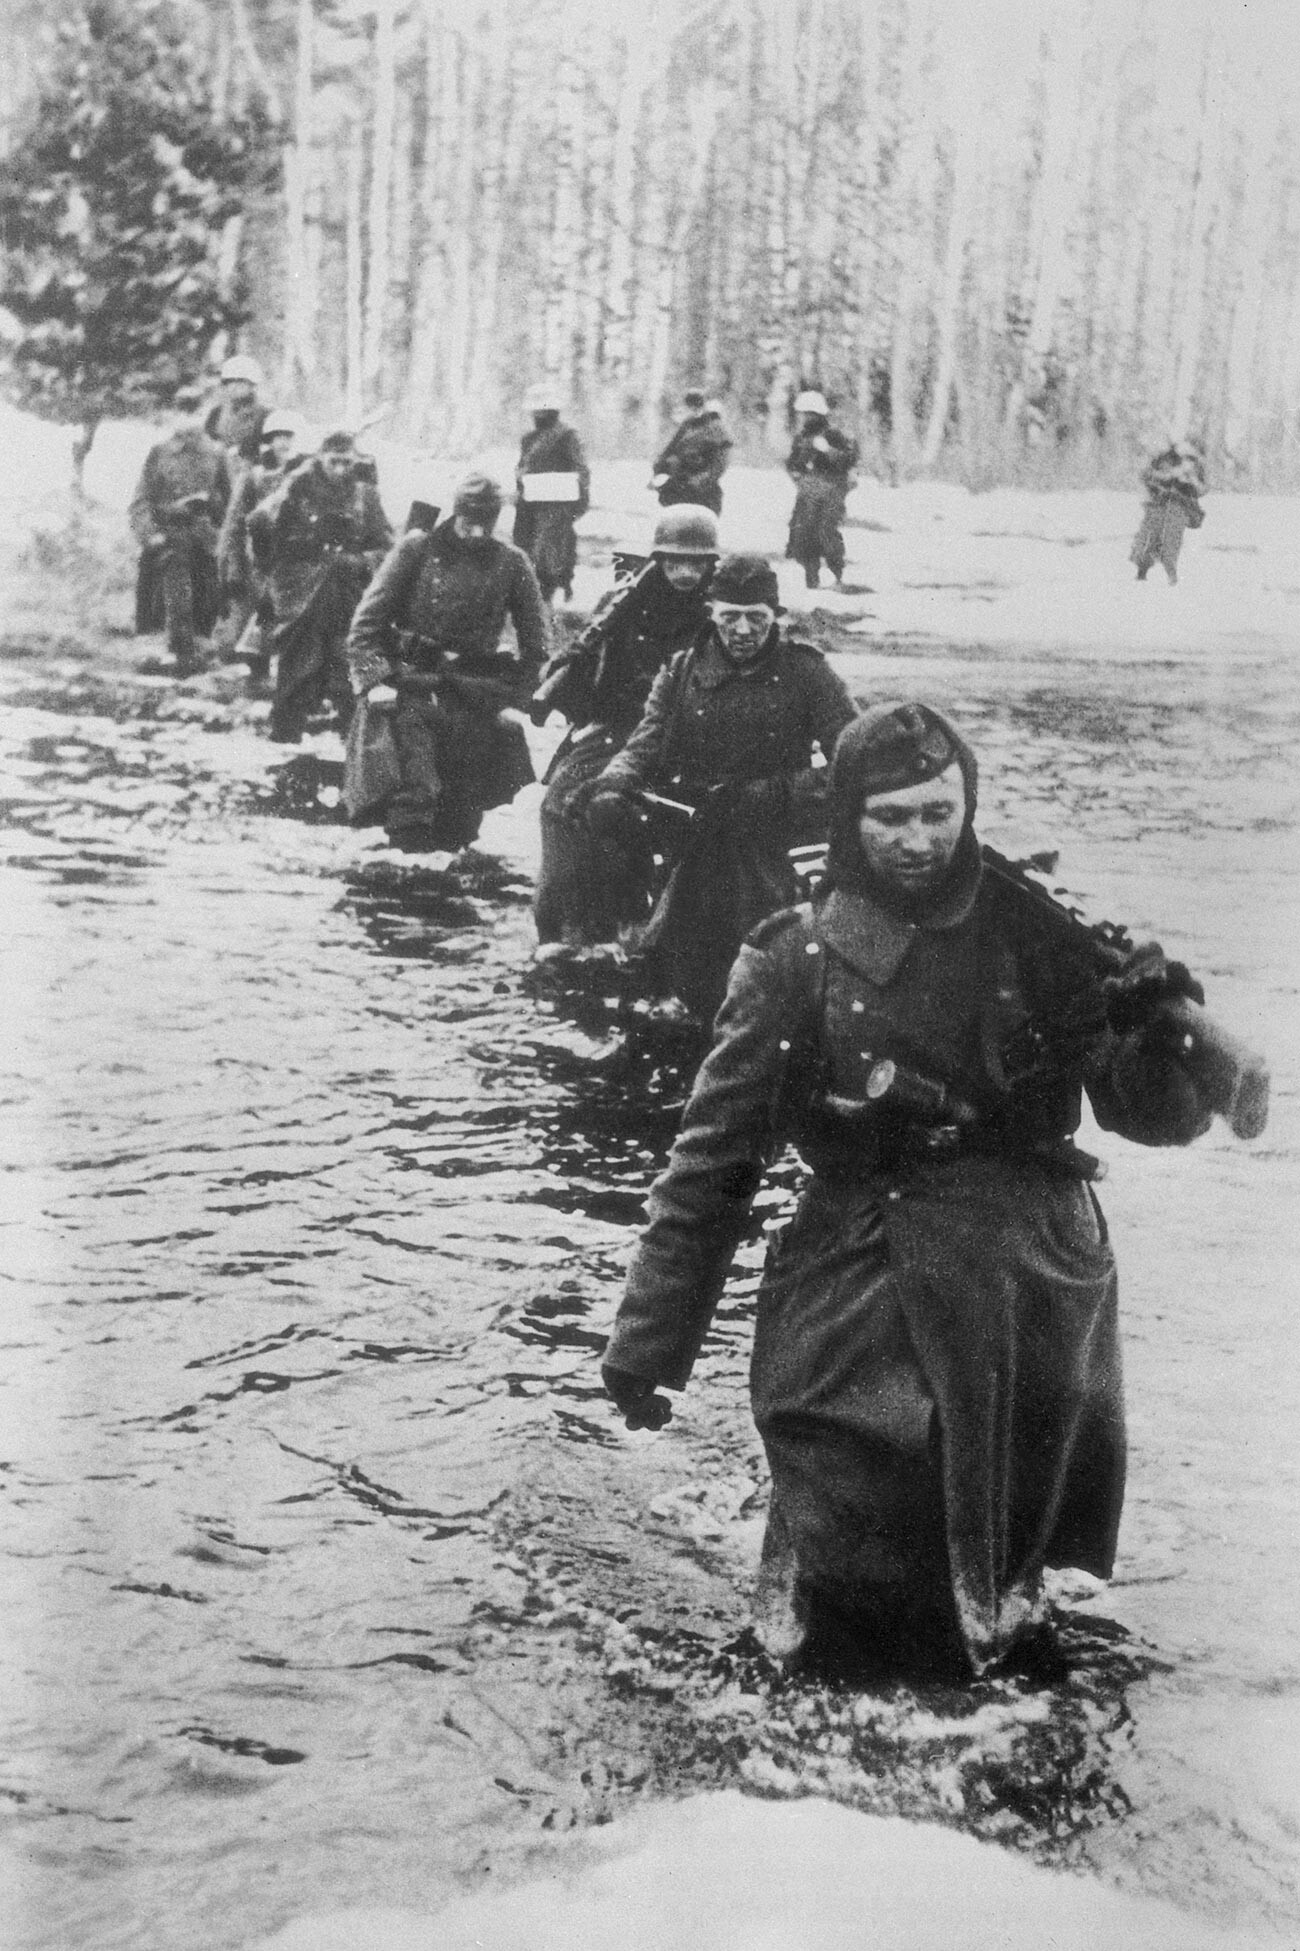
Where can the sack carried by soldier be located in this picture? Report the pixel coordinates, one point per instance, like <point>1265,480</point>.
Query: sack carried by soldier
<point>372,771</point>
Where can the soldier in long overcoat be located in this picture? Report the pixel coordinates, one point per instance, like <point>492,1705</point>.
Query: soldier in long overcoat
<point>821,464</point>
<point>691,466</point>
<point>1175,482</point>
<point>730,729</point>
<point>584,894</point>
<point>244,583</point>
<point>322,534</point>
<point>936,1364</point>
<point>175,516</point>
<point>432,750</point>
<point>544,529</point>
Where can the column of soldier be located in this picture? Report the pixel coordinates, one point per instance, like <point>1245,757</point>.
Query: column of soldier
<point>936,1373</point>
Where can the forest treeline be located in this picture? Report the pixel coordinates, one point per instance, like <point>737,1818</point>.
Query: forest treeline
<point>1022,242</point>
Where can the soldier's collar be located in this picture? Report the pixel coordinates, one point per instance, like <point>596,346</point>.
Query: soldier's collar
<point>715,667</point>
<point>875,941</point>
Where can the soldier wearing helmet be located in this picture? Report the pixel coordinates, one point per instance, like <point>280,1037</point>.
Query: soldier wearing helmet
<point>176,510</point>
<point>600,682</point>
<point>553,490</point>
<point>244,582</point>
<point>821,464</point>
<point>730,729</point>
<point>691,466</point>
<point>238,418</point>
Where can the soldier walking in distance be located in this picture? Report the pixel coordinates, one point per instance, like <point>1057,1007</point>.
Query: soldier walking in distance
<point>936,1364</point>
<point>728,734</point>
<point>553,487</point>
<point>600,683</point>
<point>244,585</point>
<point>321,533</point>
<point>691,466</point>
<point>238,418</point>
<point>438,738</point>
<point>1175,482</point>
<point>821,464</point>
<point>177,507</point>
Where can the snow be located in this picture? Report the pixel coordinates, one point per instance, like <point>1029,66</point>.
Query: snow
<point>929,562</point>
<point>727,1872</point>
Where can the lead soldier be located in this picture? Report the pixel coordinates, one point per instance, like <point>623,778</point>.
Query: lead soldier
<point>936,1365</point>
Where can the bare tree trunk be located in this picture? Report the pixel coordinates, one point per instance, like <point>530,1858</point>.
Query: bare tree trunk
<point>353,357</point>
<point>300,308</point>
<point>950,295</point>
<point>1197,256</point>
<point>258,72</point>
<point>381,184</point>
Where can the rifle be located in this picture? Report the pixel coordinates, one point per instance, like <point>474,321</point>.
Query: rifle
<point>1232,1079</point>
<point>569,687</point>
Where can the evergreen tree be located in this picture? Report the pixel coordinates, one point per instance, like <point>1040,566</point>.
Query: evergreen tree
<point>119,205</point>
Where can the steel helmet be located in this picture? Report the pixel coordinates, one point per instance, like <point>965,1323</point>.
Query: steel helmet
<point>811,403</point>
<point>542,398</point>
<point>686,529</point>
<point>240,366</point>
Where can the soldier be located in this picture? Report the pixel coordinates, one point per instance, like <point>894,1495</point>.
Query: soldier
<point>601,684</point>
<point>553,486</point>
<point>244,585</point>
<point>178,503</point>
<point>434,745</point>
<point>321,534</point>
<point>1175,482</point>
<point>936,1366</point>
<point>821,464</point>
<point>728,734</point>
<point>238,418</point>
<point>692,465</point>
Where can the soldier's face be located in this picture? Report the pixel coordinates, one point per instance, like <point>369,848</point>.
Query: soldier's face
<point>744,629</point>
<point>685,572</point>
<point>238,391</point>
<point>909,837</point>
<point>279,447</point>
<point>336,467</point>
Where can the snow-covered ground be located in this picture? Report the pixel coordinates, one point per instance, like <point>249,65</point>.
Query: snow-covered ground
<point>725,1872</point>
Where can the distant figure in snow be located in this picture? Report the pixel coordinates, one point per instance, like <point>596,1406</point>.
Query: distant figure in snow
<point>238,418</point>
<point>821,465</point>
<point>691,466</point>
<point>1175,482</point>
<point>553,485</point>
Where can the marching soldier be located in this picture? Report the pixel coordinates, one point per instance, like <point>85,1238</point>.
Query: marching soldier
<point>321,534</point>
<point>1175,482</point>
<point>243,581</point>
<point>821,465</point>
<point>691,466</point>
<point>437,740</point>
<point>936,1371</point>
<point>553,488</point>
<point>601,683</point>
<point>727,736</point>
<point>178,504</point>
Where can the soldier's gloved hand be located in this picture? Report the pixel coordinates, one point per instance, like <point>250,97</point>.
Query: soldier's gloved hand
<point>1147,979</point>
<point>587,791</point>
<point>635,1398</point>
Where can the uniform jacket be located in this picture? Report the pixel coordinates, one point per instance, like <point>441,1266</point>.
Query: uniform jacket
<point>806,458</point>
<point>318,536</point>
<point>643,634</point>
<point>235,555</point>
<point>695,458</point>
<point>991,1269</point>
<point>455,602</point>
<point>237,425</point>
<point>185,464</point>
<point>556,450</point>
